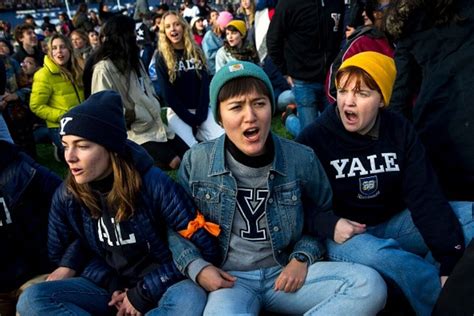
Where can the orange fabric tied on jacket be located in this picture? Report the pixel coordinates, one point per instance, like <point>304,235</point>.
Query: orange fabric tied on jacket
<point>200,222</point>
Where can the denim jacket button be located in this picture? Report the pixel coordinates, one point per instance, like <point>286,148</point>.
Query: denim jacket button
<point>272,177</point>
<point>208,196</point>
<point>276,228</point>
<point>270,201</point>
<point>294,197</point>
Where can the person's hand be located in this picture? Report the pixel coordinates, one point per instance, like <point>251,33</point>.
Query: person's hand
<point>212,278</point>
<point>290,81</point>
<point>345,229</point>
<point>292,277</point>
<point>117,299</point>
<point>349,31</point>
<point>61,273</point>
<point>443,280</point>
<point>10,97</point>
<point>127,309</point>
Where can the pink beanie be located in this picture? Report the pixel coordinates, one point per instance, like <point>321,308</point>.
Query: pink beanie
<point>224,18</point>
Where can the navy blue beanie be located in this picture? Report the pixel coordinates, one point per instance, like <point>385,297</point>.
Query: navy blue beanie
<point>99,119</point>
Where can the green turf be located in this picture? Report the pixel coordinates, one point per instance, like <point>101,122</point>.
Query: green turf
<point>46,157</point>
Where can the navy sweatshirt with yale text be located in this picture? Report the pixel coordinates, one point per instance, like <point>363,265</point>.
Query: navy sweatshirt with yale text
<point>380,174</point>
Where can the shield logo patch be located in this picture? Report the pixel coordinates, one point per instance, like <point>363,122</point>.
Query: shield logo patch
<point>368,185</point>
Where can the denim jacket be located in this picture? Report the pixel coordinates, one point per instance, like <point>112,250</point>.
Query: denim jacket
<point>296,176</point>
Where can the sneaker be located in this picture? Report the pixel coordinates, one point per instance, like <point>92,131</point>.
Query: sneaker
<point>290,109</point>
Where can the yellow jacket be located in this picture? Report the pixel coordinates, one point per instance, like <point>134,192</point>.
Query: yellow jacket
<point>52,95</point>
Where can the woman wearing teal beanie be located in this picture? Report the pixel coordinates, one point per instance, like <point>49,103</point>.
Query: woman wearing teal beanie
<point>389,211</point>
<point>260,188</point>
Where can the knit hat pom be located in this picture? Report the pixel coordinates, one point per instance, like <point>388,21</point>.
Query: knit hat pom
<point>99,119</point>
<point>379,66</point>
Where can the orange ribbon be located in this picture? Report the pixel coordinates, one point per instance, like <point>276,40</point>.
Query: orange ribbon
<point>200,222</point>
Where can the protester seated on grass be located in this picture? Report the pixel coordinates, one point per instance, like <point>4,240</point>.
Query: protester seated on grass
<point>235,46</point>
<point>389,211</point>
<point>26,191</point>
<point>116,65</point>
<point>258,187</point>
<point>108,226</point>
<point>184,82</point>
<point>57,87</point>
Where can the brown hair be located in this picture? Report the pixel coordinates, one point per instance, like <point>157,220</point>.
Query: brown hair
<point>360,75</point>
<point>123,195</point>
<point>241,86</point>
<point>20,29</point>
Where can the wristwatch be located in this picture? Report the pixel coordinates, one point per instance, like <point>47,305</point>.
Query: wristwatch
<point>301,257</point>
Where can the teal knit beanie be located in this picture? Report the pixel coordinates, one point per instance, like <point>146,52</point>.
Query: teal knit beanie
<point>232,70</point>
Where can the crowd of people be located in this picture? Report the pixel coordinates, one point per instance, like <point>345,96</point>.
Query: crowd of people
<point>367,210</point>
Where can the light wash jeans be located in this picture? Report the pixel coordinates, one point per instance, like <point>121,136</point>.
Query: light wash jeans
<point>310,99</point>
<point>208,130</point>
<point>397,251</point>
<point>79,296</point>
<point>331,288</point>
<point>4,132</point>
<point>285,98</point>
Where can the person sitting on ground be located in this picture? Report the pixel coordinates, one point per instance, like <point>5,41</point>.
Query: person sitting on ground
<point>57,87</point>
<point>15,103</point>
<point>248,182</point>
<point>235,47</point>
<point>198,29</point>
<point>214,39</point>
<point>108,226</point>
<point>389,211</point>
<point>184,81</point>
<point>26,191</point>
<point>116,65</point>
<point>25,35</point>
<point>80,42</point>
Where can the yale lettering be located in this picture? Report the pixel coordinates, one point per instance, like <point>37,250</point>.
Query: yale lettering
<point>354,167</point>
<point>104,234</point>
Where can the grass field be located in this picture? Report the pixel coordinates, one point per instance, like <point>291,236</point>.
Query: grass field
<point>46,157</point>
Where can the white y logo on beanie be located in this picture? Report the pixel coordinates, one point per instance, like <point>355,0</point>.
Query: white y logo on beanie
<point>63,122</point>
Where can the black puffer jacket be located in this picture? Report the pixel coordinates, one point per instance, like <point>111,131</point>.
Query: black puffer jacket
<point>443,113</point>
<point>26,191</point>
<point>162,205</point>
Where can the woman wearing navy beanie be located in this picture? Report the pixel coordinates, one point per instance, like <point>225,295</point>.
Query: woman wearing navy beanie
<point>108,225</point>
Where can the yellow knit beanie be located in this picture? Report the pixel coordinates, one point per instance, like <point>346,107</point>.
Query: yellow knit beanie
<point>239,25</point>
<point>379,66</point>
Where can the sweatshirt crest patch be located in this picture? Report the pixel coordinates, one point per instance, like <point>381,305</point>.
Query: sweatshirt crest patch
<point>368,187</point>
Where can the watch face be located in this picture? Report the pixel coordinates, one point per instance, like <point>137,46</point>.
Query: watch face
<point>301,258</point>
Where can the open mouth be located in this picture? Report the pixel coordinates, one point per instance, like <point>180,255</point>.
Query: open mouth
<point>76,171</point>
<point>174,35</point>
<point>251,133</point>
<point>351,116</point>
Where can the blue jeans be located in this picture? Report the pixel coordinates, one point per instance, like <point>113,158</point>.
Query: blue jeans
<point>309,98</point>
<point>4,132</point>
<point>79,296</point>
<point>330,288</point>
<point>398,252</point>
<point>285,98</point>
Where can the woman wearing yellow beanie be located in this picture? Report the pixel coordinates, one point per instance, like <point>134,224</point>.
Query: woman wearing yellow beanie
<point>235,45</point>
<point>389,212</point>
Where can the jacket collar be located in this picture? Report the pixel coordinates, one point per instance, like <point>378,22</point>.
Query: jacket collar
<point>52,67</point>
<point>217,165</point>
